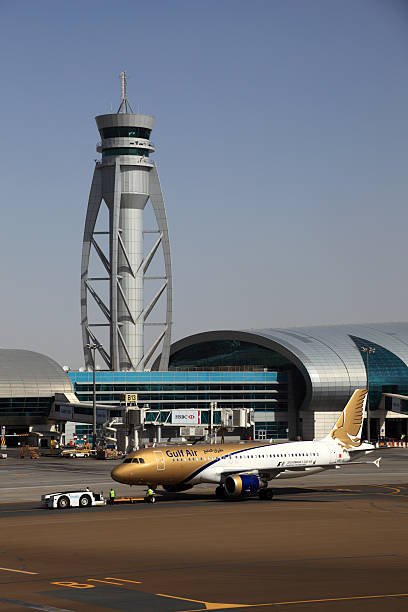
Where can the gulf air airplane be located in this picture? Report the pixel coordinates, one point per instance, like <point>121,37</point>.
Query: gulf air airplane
<point>243,470</point>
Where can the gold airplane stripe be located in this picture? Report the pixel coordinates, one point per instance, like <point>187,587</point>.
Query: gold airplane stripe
<point>187,472</point>
<point>187,463</point>
<point>226,454</point>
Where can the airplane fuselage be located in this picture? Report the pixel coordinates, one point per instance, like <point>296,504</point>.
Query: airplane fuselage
<point>205,463</point>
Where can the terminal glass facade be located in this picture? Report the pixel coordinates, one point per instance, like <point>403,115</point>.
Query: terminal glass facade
<point>225,354</point>
<point>387,373</point>
<point>266,393</point>
<point>24,408</point>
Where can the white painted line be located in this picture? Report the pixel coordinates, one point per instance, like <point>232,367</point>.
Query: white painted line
<point>9,569</point>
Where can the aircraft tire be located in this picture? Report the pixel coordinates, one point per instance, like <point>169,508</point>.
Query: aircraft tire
<point>220,492</point>
<point>265,494</point>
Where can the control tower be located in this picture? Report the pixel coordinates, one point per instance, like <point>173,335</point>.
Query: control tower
<point>124,181</point>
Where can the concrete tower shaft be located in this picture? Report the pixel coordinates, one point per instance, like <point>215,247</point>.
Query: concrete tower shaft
<point>125,179</point>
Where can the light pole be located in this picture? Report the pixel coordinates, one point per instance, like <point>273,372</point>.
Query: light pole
<point>368,350</point>
<point>93,347</point>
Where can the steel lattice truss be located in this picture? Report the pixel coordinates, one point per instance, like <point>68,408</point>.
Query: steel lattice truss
<point>118,354</point>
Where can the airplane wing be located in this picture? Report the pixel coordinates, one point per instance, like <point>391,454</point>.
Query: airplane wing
<point>262,473</point>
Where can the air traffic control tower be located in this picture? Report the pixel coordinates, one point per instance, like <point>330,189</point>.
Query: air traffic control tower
<point>114,311</point>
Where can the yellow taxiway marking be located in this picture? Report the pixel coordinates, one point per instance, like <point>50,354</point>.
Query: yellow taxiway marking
<point>223,606</point>
<point>395,490</point>
<point>209,605</point>
<point>9,569</point>
<point>327,599</point>
<point>105,581</point>
<point>124,580</point>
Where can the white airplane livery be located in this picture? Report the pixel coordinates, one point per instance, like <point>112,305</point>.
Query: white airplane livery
<point>243,470</point>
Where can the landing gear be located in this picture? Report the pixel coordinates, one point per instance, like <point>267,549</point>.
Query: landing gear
<point>150,497</point>
<point>220,492</point>
<point>265,494</point>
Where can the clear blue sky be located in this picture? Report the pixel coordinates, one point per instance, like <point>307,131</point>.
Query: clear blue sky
<point>281,134</point>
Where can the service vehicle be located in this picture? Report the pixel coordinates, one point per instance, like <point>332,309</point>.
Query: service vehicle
<point>81,498</point>
<point>78,452</point>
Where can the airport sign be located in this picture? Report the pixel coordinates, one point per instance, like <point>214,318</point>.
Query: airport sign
<point>186,417</point>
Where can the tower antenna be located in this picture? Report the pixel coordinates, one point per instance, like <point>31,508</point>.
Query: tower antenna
<point>124,106</point>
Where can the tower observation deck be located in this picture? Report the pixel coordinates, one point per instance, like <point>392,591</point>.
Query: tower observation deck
<point>125,180</point>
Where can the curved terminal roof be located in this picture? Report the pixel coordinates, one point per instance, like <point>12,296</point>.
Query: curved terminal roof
<point>328,357</point>
<point>29,374</point>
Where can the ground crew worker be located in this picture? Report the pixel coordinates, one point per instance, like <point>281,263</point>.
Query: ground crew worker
<point>112,496</point>
<point>150,495</point>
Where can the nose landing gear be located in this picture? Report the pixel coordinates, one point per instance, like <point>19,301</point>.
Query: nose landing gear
<point>150,497</point>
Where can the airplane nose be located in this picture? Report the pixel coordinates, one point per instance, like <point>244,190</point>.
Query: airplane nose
<point>118,474</point>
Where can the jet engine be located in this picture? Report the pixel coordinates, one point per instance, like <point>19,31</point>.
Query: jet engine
<point>242,485</point>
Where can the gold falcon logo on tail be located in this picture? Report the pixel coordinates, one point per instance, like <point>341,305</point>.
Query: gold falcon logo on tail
<point>347,430</point>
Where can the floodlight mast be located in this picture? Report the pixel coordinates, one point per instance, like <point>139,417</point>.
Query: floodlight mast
<point>125,179</point>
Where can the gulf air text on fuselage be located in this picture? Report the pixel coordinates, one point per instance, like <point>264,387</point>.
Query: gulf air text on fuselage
<point>188,453</point>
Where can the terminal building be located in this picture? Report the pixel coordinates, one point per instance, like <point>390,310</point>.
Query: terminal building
<point>294,382</point>
<point>323,366</point>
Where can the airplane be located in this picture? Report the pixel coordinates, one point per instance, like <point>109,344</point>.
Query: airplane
<point>244,470</point>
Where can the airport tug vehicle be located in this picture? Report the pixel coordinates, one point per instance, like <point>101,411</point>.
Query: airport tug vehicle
<point>81,498</point>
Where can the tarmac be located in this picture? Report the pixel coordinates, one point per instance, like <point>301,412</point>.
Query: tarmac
<point>333,541</point>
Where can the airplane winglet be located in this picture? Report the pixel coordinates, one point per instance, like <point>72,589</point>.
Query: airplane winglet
<point>377,462</point>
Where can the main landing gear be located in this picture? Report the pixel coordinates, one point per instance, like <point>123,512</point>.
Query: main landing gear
<point>265,494</point>
<point>220,492</point>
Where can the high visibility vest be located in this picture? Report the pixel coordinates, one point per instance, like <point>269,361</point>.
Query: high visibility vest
<point>112,494</point>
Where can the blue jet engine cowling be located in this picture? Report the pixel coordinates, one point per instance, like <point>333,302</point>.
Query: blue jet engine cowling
<point>242,485</point>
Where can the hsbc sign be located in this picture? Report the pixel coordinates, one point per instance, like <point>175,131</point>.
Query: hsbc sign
<point>186,417</point>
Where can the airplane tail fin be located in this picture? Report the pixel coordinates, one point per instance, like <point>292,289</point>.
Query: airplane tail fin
<point>347,430</point>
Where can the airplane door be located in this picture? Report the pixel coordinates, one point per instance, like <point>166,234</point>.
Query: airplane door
<point>335,455</point>
<point>160,465</point>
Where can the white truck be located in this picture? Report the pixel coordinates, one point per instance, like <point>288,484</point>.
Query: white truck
<point>81,498</point>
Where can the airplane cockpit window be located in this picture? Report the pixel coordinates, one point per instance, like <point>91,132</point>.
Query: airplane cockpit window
<point>127,461</point>
<point>135,460</point>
